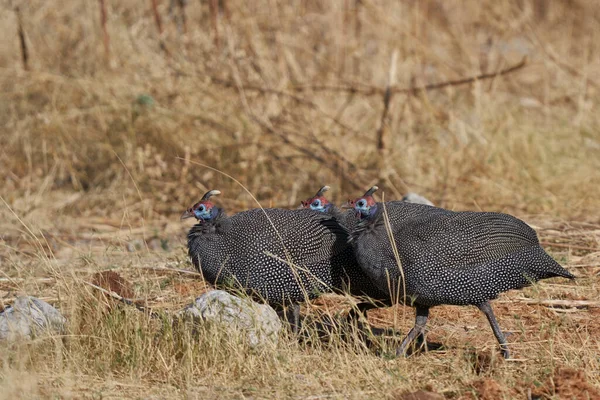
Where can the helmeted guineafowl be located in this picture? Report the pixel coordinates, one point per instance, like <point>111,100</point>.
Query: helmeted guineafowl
<point>282,256</point>
<point>357,281</point>
<point>446,257</point>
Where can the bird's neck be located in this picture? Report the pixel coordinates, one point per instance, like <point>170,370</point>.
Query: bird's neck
<point>214,225</point>
<point>366,223</point>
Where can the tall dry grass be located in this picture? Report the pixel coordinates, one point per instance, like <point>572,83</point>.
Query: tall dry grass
<point>525,142</point>
<point>102,137</point>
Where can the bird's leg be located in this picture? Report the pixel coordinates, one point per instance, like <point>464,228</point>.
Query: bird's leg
<point>416,331</point>
<point>291,314</point>
<point>486,308</point>
<point>355,314</point>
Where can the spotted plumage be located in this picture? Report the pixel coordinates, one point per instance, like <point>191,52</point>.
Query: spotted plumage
<point>446,257</point>
<point>282,256</point>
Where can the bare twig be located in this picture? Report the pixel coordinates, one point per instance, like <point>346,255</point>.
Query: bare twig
<point>357,31</point>
<point>569,246</point>
<point>106,37</point>
<point>124,300</point>
<point>226,10</point>
<point>157,18</point>
<point>383,131</point>
<point>38,280</point>
<point>159,27</point>
<point>181,18</point>
<point>344,41</point>
<point>375,91</point>
<point>22,41</point>
<point>176,270</point>
<point>562,303</point>
<point>214,17</point>
<point>297,99</point>
<point>268,128</point>
<point>182,4</point>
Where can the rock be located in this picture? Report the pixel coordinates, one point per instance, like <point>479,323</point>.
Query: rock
<point>29,317</point>
<point>416,198</point>
<point>259,322</point>
<point>135,245</point>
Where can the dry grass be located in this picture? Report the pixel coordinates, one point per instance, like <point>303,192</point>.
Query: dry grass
<point>102,145</point>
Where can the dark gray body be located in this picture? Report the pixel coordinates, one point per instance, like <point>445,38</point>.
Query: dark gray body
<point>450,257</point>
<point>283,256</point>
<point>359,282</point>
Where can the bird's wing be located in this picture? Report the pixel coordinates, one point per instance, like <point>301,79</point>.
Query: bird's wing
<point>307,236</point>
<point>463,239</point>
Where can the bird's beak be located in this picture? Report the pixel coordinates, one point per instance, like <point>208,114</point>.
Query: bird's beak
<point>187,214</point>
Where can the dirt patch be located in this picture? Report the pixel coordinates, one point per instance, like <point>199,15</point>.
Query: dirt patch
<point>418,395</point>
<point>489,389</point>
<point>191,288</point>
<point>567,383</point>
<point>113,282</point>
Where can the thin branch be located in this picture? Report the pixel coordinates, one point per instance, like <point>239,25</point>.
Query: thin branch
<point>268,128</point>
<point>22,41</point>
<point>387,98</point>
<point>105,36</point>
<point>357,33</point>
<point>124,300</point>
<point>562,303</point>
<point>375,91</point>
<point>311,104</point>
<point>383,131</point>
<point>159,27</point>
<point>176,270</point>
<point>214,17</point>
<point>157,18</point>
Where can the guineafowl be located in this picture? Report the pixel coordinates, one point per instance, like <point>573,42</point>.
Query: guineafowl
<point>320,203</point>
<point>282,256</point>
<point>439,257</point>
<point>358,283</point>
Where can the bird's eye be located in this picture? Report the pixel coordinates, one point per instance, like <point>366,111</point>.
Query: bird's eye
<point>361,203</point>
<point>316,203</point>
<point>201,208</point>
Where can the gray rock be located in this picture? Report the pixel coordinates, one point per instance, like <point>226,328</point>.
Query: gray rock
<point>29,317</point>
<point>258,322</point>
<point>416,198</point>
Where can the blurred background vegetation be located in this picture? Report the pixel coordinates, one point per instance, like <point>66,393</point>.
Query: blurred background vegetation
<point>116,104</point>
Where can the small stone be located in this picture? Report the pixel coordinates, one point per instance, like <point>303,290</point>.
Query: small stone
<point>135,245</point>
<point>416,198</point>
<point>259,322</point>
<point>29,317</point>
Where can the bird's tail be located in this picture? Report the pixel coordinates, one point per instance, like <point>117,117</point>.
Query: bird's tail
<point>554,269</point>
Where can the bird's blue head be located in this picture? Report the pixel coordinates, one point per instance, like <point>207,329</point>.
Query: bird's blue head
<point>204,210</point>
<point>318,202</point>
<point>365,206</point>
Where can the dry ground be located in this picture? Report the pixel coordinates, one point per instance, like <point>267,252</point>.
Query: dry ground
<point>125,354</point>
<point>107,132</point>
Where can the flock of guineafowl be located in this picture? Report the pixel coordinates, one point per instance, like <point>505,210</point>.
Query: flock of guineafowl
<point>390,251</point>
